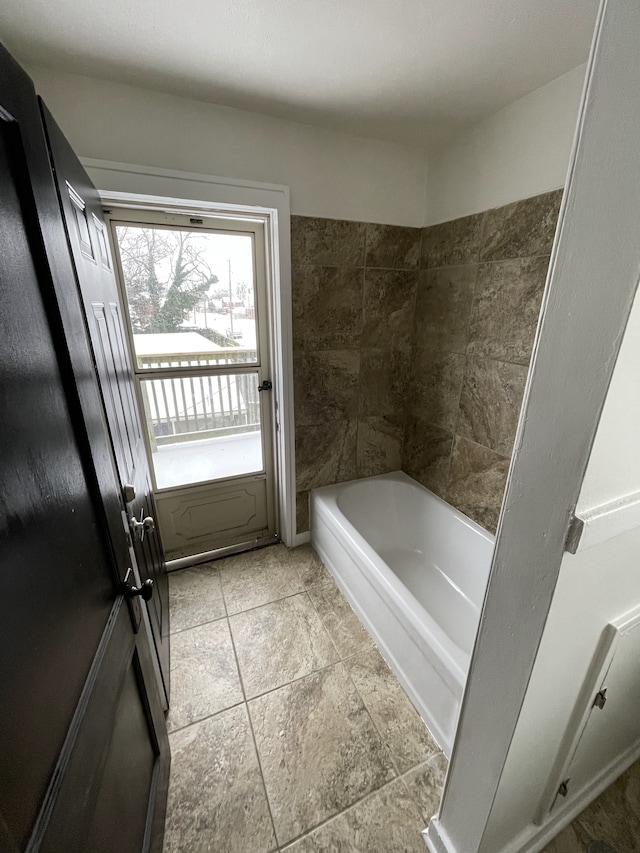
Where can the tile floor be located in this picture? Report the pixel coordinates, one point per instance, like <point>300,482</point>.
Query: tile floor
<point>288,731</point>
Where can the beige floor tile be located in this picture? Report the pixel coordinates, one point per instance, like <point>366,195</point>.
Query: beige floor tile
<point>402,730</point>
<point>344,627</point>
<point>309,565</point>
<point>425,783</point>
<point>387,821</point>
<point>204,674</point>
<point>217,800</point>
<point>319,750</point>
<point>280,641</point>
<point>195,597</point>
<point>258,577</point>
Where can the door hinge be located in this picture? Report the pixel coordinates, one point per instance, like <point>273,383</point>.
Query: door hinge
<point>563,790</point>
<point>601,698</point>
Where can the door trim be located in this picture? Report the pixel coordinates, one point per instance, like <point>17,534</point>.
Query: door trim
<point>138,186</point>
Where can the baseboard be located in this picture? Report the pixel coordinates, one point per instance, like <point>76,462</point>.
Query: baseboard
<point>535,838</point>
<point>436,838</point>
<point>301,539</point>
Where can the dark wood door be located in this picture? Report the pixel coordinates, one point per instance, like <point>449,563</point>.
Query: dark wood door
<point>84,756</point>
<point>89,243</point>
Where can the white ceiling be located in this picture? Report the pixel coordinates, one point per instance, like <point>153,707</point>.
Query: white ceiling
<point>409,71</point>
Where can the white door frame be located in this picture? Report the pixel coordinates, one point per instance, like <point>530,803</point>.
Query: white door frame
<point>133,183</point>
<point>593,277</point>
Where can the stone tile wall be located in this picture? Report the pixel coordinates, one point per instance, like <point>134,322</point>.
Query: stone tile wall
<point>354,288</point>
<point>480,287</point>
<point>411,349</point>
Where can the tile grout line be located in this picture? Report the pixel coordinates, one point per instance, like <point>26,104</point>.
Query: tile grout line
<point>466,356</point>
<point>373,723</point>
<point>197,625</point>
<point>341,660</point>
<point>206,717</point>
<point>319,669</point>
<point>335,816</point>
<point>267,603</point>
<point>251,729</point>
<point>253,736</point>
<point>399,774</point>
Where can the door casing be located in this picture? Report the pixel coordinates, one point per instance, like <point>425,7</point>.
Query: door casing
<point>174,501</point>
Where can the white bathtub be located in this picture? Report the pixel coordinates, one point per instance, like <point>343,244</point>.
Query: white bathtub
<point>415,571</point>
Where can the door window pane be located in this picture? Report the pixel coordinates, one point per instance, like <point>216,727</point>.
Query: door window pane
<point>191,296</point>
<point>203,428</point>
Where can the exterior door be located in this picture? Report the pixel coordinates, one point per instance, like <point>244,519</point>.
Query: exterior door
<point>86,232</point>
<point>195,296</point>
<point>84,756</point>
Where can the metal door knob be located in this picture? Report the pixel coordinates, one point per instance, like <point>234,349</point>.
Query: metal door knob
<point>145,590</point>
<point>145,525</point>
<point>149,524</point>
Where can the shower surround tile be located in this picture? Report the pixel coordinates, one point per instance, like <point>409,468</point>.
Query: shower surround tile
<point>523,229</point>
<point>329,242</point>
<point>217,799</point>
<point>387,820</point>
<point>204,676</point>
<point>195,597</point>
<point>319,750</point>
<point>302,511</point>
<point>379,446</point>
<point>326,453</point>
<point>506,308</point>
<point>326,385</point>
<point>389,304</point>
<point>384,378</point>
<point>490,403</point>
<point>443,309</point>
<point>412,317</point>
<point>327,307</point>
<point>280,642</point>
<point>402,731</point>
<point>476,482</point>
<point>452,243</point>
<point>426,454</point>
<point>436,384</point>
<point>392,247</point>
<point>353,289</point>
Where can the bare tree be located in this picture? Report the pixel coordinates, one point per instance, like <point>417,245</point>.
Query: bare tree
<point>165,276</point>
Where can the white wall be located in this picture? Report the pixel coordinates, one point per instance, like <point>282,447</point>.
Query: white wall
<point>594,587</point>
<point>330,174</point>
<point>614,464</point>
<point>518,152</point>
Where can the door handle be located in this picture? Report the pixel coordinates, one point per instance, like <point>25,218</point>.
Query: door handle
<point>144,525</point>
<point>145,590</point>
<point>267,385</point>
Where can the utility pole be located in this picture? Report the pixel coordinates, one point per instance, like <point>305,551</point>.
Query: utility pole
<point>230,296</point>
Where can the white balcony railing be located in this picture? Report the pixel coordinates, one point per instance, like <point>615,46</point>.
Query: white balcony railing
<point>187,408</point>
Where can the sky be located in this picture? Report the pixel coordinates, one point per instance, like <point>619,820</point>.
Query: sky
<point>219,248</point>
